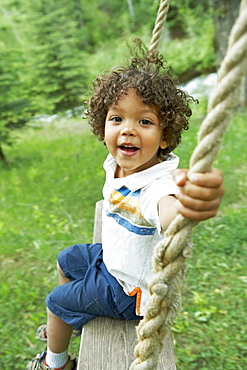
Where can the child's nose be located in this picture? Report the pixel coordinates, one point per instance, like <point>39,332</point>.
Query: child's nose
<point>128,129</point>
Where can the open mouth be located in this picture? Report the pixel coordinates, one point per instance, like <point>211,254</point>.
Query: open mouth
<point>128,148</point>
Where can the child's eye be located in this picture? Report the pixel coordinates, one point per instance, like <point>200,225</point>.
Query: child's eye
<point>145,122</point>
<point>116,119</point>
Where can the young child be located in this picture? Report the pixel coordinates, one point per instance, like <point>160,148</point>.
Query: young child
<point>140,114</point>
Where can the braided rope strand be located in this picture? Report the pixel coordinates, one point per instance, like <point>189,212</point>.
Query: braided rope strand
<point>159,24</point>
<point>169,261</point>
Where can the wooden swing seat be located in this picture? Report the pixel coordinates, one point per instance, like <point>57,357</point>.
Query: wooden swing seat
<point>107,343</point>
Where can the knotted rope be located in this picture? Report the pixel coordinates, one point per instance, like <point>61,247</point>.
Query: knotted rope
<point>169,260</point>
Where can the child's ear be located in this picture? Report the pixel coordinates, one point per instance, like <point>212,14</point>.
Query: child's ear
<point>163,144</point>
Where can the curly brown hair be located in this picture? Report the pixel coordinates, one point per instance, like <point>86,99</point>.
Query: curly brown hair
<point>150,76</point>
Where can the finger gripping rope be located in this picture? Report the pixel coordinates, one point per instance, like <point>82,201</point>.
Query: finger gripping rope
<point>169,259</point>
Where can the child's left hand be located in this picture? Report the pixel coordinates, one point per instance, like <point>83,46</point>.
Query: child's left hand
<point>199,199</point>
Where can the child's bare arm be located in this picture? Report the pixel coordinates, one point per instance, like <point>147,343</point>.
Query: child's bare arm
<point>197,200</point>
<point>167,209</point>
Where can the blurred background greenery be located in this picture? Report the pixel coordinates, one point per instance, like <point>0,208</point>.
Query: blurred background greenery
<point>51,166</point>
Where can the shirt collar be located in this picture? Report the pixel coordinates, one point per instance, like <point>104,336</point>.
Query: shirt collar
<point>139,179</point>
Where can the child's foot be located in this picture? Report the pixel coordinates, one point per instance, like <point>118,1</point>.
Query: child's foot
<point>38,363</point>
<point>42,330</point>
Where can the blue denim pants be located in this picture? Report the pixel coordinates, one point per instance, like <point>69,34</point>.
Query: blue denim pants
<point>92,290</point>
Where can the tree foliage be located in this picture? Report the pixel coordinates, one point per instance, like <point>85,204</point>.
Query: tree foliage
<point>55,63</point>
<point>13,93</point>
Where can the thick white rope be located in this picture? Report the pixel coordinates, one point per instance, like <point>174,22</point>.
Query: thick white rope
<point>169,261</point>
<point>158,27</point>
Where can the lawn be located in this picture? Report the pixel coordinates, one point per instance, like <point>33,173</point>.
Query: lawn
<point>48,191</point>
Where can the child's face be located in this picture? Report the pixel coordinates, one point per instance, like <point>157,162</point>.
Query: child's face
<point>133,134</point>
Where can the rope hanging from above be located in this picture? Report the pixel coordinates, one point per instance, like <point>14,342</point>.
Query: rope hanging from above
<point>159,23</point>
<point>169,260</point>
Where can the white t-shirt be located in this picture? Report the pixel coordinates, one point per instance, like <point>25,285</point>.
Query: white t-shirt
<point>131,226</point>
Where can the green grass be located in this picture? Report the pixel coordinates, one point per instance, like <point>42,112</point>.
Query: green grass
<point>48,192</point>
<point>210,333</point>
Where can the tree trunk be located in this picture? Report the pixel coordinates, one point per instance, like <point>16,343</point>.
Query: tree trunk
<point>131,8</point>
<point>2,155</point>
<point>225,14</point>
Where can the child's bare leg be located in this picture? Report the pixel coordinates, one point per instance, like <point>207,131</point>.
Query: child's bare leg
<point>61,278</point>
<point>58,338</point>
<point>58,333</point>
